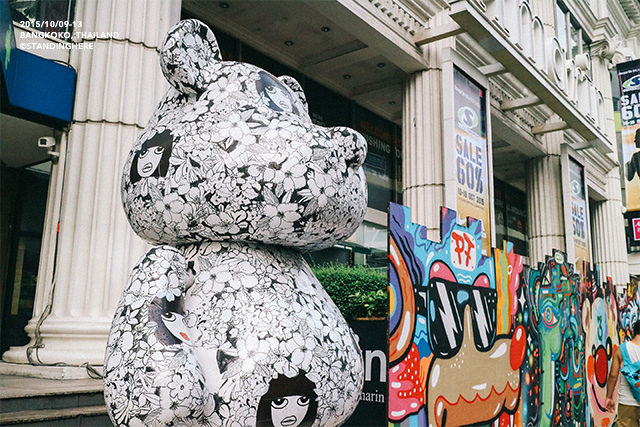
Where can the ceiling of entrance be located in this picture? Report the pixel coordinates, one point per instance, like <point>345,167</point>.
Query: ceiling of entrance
<point>304,36</point>
<point>19,142</point>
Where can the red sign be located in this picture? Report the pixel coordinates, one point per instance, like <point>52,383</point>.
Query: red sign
<point>636,228</point>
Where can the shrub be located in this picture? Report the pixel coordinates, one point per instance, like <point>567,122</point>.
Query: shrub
<point>357,291</point>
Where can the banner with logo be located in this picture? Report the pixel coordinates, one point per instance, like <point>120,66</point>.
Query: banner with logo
<point>629,78</point>
<point>576,209</point>
<point>471,153</point>
<point>579,214</point>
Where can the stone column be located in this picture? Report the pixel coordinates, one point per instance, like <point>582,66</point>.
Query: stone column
<point>544,200</point>
<point>609,240</point>
<point>85,265</point>
<point>423,176</point>
<point>422,138</point>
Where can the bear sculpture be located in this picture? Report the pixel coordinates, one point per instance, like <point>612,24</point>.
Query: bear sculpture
<point>222,322</point>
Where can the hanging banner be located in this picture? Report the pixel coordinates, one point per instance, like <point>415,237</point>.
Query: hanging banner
<point>579,213</point>
<point>578,236</point>
<point>629,79</point>
<point>471,153</point>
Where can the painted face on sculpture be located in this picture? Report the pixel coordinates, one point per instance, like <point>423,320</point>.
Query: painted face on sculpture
<point>289,411</point>
<point>289,402</point>
<point>274,94</point>
<point>153,157</point>
<point>148,161</point>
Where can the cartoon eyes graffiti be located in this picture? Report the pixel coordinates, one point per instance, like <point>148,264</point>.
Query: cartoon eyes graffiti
<point>153,157</point>
<point>447,301</point>
<point>275,94</point>
<point>550,313</point>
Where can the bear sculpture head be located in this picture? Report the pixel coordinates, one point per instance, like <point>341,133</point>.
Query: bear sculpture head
<point>231,154</point>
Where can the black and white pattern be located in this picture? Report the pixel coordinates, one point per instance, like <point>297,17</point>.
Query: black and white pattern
<point>224,324</point>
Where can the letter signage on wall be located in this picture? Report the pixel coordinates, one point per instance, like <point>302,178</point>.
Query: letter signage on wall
<point>467,150</point>
<point>515,37</point>
<point>576,209</point>
<point>629,78</point>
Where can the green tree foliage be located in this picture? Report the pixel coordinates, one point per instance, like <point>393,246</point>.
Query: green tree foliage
<point>357,291</point>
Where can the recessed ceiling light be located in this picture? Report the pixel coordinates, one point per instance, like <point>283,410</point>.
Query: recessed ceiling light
<point>224,5</point>
<point>347,76</point>
<point>288,43</point>
<point>381,65</point>
<point>392,102</point>
<point>325,29</point>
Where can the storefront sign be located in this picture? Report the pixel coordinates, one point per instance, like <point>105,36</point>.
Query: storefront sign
<point>636,229</point>
<point>629,78</point>
<point>372,409</point>
<point>515,37</point>
<point>576,209</point>
<point>471,153</point>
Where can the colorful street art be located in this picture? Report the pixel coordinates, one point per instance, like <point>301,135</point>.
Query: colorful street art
<point>445,338</point>
<point>488,341</point>
<point>599,315</point>
<point>628,311</point>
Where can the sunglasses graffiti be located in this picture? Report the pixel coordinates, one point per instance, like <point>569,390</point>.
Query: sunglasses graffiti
<point>444,337</point>
<point>488,341</point>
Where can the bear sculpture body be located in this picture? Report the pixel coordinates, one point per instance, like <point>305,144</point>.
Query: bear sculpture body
<point>222,322</point>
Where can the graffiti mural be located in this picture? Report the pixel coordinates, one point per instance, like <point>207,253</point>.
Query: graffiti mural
<point>599,312</point>
<point>449,362</point>
<point>554,293</point>
<point>628,312</point>
<point>488,341</point>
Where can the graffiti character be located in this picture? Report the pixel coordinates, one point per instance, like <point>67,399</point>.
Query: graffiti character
<point>443,322</point>
<point>601,341</point>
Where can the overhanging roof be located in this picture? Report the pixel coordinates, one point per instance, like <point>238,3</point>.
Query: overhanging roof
<point>472,19</point>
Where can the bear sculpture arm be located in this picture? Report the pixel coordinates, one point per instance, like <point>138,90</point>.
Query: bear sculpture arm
<point>151,374</point>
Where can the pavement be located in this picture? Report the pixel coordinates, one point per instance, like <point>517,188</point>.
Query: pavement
<point>12,386</point>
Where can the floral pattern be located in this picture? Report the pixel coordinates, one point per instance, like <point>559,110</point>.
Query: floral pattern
<point>223,323</point>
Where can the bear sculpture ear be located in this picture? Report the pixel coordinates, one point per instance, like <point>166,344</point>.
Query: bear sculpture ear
<point>187,50</point>
<point>296,88</point>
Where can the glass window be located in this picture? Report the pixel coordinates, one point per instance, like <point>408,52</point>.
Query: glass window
<point>511,216</point>
<point>384,158</point>
<point>575,40</point>
<point>561,27</point>
<point>23,200</point>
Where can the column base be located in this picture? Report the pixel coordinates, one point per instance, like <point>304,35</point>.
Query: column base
<point>48,372</point>
<point>63,342</point>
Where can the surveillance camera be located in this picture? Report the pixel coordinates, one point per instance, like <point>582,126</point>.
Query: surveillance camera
<point>46,142</point>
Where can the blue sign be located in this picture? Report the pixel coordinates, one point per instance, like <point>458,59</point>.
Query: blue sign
<point>37,89</point>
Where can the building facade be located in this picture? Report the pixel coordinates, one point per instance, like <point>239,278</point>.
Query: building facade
<point>414,77</point>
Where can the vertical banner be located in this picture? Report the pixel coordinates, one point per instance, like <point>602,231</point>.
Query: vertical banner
<point>471,153</point>
<point>629,78</point>
<point>577,228</point>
